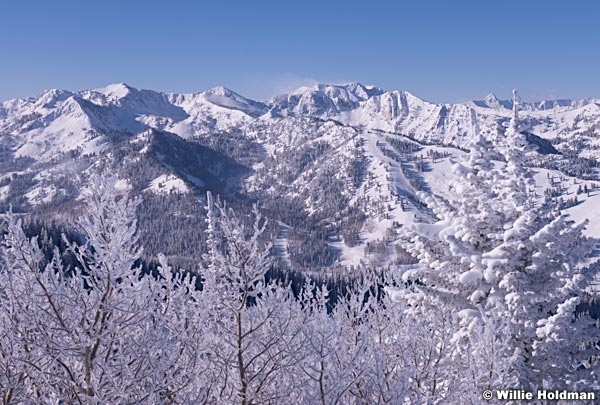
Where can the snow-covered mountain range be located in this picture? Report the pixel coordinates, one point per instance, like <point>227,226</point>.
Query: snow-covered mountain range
<point>342,164</point>
<point>59,120</point>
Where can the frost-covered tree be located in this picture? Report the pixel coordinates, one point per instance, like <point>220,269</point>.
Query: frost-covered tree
<point>99,331</point>
<point>355,352</point>
<point>178,342</point>
<point>425,345</point>
<point>24,365</point>
<point>327,363</point>
<point>537,276</point>
<point>76,319</point>
<point>254,321</point>
<point>509,269</point>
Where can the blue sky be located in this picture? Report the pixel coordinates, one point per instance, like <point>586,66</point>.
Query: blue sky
<point>442,51</point>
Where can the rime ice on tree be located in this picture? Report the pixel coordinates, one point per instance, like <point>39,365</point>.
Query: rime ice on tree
<point>514,122</point>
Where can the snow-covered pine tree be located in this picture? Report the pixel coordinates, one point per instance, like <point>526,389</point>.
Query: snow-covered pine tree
<point>510,271</point>
<point>445,288</point>
<point>517,187</point>
<point>537,275</point>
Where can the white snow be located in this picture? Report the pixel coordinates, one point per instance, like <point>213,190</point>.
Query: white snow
<point>122,185</point>
<point>115,91</point>
<point>470,277</point>
<point>59,121</point>
<point>166,184</point>
<point>4,192</point>
<point>40,195</point>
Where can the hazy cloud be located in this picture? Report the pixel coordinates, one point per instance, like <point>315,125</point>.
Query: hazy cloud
<point>265,87</point>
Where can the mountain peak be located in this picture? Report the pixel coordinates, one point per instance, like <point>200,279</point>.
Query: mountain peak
<point>116,90</point>
<point>363,91</point>
<point>491,98</point>
<point>222,91</point>
<point>492,101</point>
<point>49,98</point>
<point>224,97</point>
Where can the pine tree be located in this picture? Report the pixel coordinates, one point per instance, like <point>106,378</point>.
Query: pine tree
<point>507,268</point>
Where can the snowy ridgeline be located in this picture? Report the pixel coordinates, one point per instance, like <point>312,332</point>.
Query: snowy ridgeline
<point>339,166</point>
